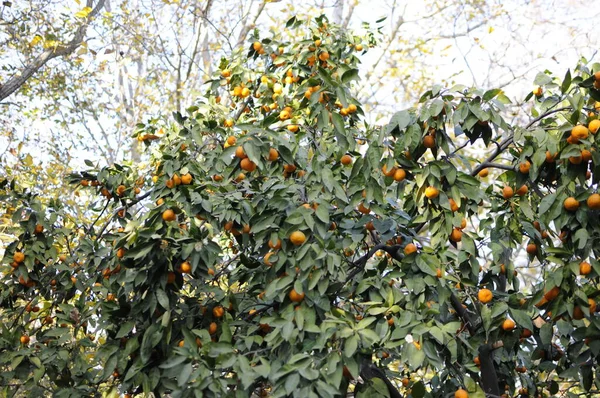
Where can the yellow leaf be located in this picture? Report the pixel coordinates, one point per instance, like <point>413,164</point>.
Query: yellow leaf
<point>78,2</point>
<point>491,29</point>
<point>83,13</point>
<point>28,161</point>
<point>36,39</point>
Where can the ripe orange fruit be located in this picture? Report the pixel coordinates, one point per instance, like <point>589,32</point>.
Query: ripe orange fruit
<point>531,248</point>
<point>460,393</point>
<point>585,268</point>
<point>240,177</point>
<point>550,157</point>
<point>522,190</point>
<point>217,178</point>
<point>275,246</point>
<point>594,126</point>
<point>240,153</point>
<point>538,91</point>
<point>212,328</point>
<point>346,160</point>
<point>431,192</point>
<point>507,192</point>
<point>169,215</point>
<point>38,229</point>
<point>410,248</point>
<point>24,339</point>
<point>571,204</point>
<point>477,361</point>
<point>438,273</point>
<point>483,173</point>
<point>593,201</point>
<point>399,175</point>
<point>453,205</point>
<point>586,155</point>
<point>247,165</point>
<point>578,313</point>
<point>295,297</point>
<point>121,252</point>
<point>297,238</point>
<point>508,325</point>
<point>18,257</point>
<point>592,304</point>
<point>575,159</point>
<point>388,173</point>
<point>228,123</point>
<point>186,179</point>
<point>218,311</point>
<point>456,235</point>
<point>429,141</point>
<point>463,223</point>
<point>485,295</point>
<point>293,128</point>
<point>552,293</point>
<point>186,267</point>
<point>290,168</point>
<point>524,167</point>
<point>580,132</point>
<point>362,209</point>
<point>176,179</point>
<point>324,56</point>
<point>273,155</point>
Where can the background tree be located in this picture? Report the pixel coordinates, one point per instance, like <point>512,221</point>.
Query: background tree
<point>284,246</point>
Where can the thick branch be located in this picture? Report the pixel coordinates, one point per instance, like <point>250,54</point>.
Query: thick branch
<point>462,313</point>
<point>359,264</point>
<point>369,371</point>
<point>489,378</point>
<point>17,81</point>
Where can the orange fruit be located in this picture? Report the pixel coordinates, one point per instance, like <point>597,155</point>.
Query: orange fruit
<point>364,210</point>
<point>346,160</point>
<point>431,192</point>
<point>453,206</point>
<point>295,297</point>
<point>247,165</point>
<point>508,325</point>
<point>399,175</point>
<point>526,333</point>
<point>38,229</point>
<point>507,192</point>
<point>186,179</point>
<point>438,273</point>
<point>429,141</point>
<point>297,238</point>
<point>456,235</point>
<point>580,132</point>
<point>324,56</point>
<point>571,204</point>
<point>273,155</point>
<point>240,177</point>
<point>585,268</point>
<point>169,215</point>
<point>460,393</point>
<point>228,123</point>
<point>552,293</point>
<point>240,153</point>
<point>186,267</point>
<point>293,128</point>
<point>538,91</point>
<point>586,155</point>
<point>121,252</point>
<point>592,304</point>
<point>531,248</point>
<point>463,223</point>
<point>477,361</point>
<point>18,257</point>
<point>578,313</point>
<point>266,260</point>
<point>212,328</point>
<point>290,168</point>
<point>522,190</point>
<point>593,201</point>
<point>550,157</point>
<point>217,178</point>
<point>483,173</point>
<point>594,126</point>
<point>171,277</point>
<point>524,167</point>
<point>275,246</point>
<point>575,159</point>
<point>218,311</point>
<point>410,248</point>
<point>386,172</point>
<point>597,76</point>
<point>24,339</point>
<point>485,295</point>
<point>176,180</point>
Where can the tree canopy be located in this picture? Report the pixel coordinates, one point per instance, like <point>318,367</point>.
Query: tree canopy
<point>283,246</point>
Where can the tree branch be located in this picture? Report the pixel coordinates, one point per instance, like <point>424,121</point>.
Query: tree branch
<point>15,82</point>
<point>462,312</point>
<point>359,264</point>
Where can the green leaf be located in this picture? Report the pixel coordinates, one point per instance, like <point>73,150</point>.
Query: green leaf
<point>349,75</point>
<point>350,346</point>
<point>521,318</point>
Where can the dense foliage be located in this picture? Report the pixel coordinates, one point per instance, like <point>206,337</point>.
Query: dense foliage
<point>284,247</point>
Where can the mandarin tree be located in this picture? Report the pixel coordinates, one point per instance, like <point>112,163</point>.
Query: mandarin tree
<point>255,262</point>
